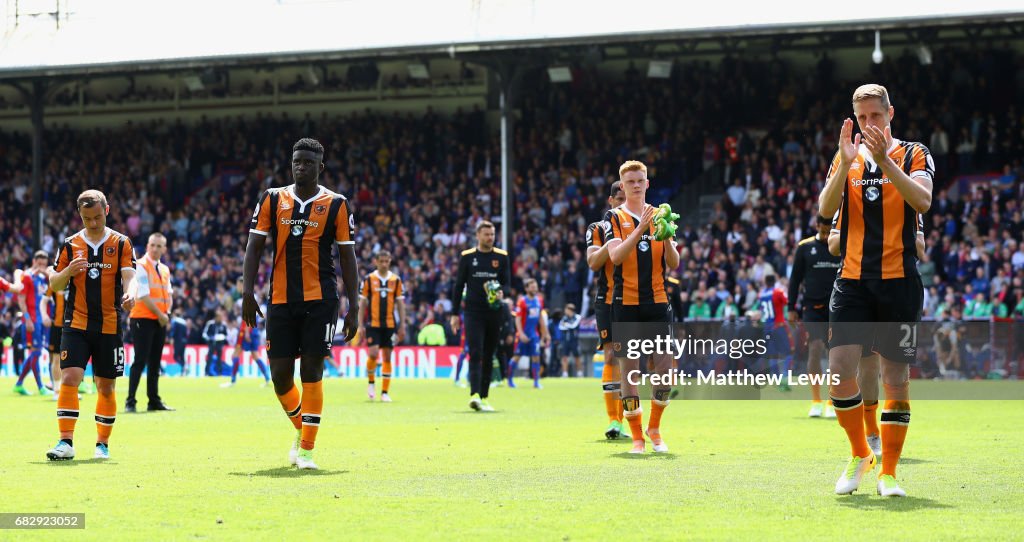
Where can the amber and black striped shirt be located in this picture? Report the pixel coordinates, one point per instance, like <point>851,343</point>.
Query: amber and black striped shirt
<point>606,280</point>
<point>93,300</point>
<point>303,234</point>
<point>58,299</point>
<point>877,226</point>
<point>381,294</point>
<point>640,278</point>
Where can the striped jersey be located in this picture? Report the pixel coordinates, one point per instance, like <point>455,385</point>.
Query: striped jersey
<point>877,226</point>
<point>58,299</point>
<point>606,280</point>
<point>93,299</point>
<point>303,234</point>
<point>640,278</point>
<point>381,293</point>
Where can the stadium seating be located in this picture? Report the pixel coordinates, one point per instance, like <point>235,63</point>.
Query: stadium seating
<point>420,182</point>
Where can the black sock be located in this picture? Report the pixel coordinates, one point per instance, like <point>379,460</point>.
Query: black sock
<point>67,441</point>
<point>100,443</point>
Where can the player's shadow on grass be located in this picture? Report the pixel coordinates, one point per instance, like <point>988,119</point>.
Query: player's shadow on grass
<point>73,462</point>
<point>889,504</point>
<point>289,472</point>
<point>912,461</point>
<point>669,456</point>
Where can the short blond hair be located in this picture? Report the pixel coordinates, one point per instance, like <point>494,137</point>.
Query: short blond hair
<point>632,165</point>
<point>871,90</point>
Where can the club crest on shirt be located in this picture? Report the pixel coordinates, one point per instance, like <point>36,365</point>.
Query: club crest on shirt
<point>494,264</point>
<point>474,262</point>
<point>320,209</point>
<point>110,251</point>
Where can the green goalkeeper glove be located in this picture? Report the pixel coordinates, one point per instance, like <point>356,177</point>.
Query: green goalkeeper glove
<point>664,222</point>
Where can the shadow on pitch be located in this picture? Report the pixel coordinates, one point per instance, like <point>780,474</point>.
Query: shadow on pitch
<point>866,501</point>
<point>289,472</point>
<point>668,456</point>
<point>73,462</point>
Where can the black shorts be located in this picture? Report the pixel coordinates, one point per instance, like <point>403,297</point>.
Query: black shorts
<point>882,313</point>
<point>380,336</point>
<point>55,336</point>
<point>301,329</point>
<point>106,351</point>
<point>816,320</point>
<point>647,313</point>
<point>651,312</point>
<point>604,324</point>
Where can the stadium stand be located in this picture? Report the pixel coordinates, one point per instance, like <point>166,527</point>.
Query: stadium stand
<point>419,182</point>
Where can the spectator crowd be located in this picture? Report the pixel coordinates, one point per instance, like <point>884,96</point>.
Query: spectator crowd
<point>420,182</point>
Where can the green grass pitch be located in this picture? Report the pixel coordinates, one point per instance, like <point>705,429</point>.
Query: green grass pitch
<point>426,467</point>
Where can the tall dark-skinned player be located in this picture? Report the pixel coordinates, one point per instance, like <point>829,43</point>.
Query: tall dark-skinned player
<point>303,222</point>
<point>483,272</point>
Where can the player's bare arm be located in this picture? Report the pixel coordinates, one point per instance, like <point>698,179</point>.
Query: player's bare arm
<point>400,304</point>
<point>545,338</point>
<point>597,256</point>
<point>59,281</point>
<point>916,191</point>
<point>128,299</point>
<point>23,307</point>
<point>45,308</point>
<point>362,323</point>
<point>350,278</point>
<point>253,254</point>
<point>672,255</point>
<point>832,194</point>
<point>17,286</point>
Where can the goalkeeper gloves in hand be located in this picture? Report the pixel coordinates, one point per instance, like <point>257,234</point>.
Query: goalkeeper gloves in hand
<point>664,222</point>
